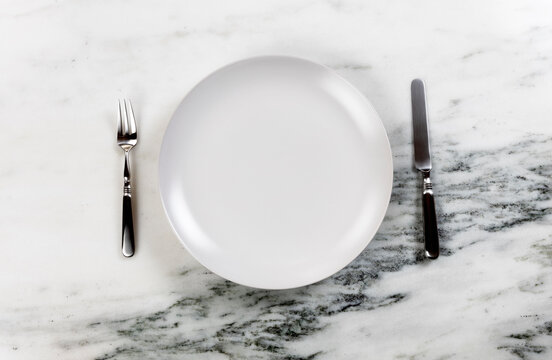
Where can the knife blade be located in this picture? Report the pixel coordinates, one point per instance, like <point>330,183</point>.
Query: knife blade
<point>422,161</point>
<point>422,155</point>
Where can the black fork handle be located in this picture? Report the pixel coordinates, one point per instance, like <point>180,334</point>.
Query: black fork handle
<point>128,224</point>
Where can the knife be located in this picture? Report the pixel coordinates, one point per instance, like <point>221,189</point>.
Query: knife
<point>422,161</point>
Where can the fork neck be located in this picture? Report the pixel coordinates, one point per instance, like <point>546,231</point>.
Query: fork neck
<point>127,186</point>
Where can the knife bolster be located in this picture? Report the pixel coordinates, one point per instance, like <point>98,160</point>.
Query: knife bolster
<point>428,186</point>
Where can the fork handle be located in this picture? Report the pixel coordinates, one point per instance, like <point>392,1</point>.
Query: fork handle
<point>128,224</point>
<point>431,235</point>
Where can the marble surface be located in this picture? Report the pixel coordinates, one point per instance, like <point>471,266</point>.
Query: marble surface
<point>67,292</point>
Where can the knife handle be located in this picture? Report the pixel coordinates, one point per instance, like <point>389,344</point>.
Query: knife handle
<point>431,235</point>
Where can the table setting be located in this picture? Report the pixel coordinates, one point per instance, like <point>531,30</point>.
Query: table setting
<point>276,180</point>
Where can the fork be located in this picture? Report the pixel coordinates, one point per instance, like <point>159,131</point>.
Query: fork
<point>127,139</point>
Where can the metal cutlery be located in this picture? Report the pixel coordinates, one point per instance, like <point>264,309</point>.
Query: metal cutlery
<point>422,161</point>
<point>127,139</point>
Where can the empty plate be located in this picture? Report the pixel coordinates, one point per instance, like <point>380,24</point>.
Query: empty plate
<point>275,172</point>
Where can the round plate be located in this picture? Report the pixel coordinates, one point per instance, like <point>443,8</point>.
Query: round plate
<point>275,172</point>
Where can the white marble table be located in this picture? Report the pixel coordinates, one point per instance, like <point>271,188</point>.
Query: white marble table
<point>67,292</point>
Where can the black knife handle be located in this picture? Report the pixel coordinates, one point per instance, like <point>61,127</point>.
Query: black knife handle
<point>431,235</point>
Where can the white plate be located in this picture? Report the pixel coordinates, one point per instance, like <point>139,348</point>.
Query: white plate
<point>275,172</point>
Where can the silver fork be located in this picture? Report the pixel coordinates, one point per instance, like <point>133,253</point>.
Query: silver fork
<point>127,139</point>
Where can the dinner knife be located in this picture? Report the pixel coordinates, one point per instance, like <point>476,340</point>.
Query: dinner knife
<point>422,161</point>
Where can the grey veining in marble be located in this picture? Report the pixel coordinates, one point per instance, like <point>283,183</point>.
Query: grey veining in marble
<point>68,293</point>
<point>234,321</point>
